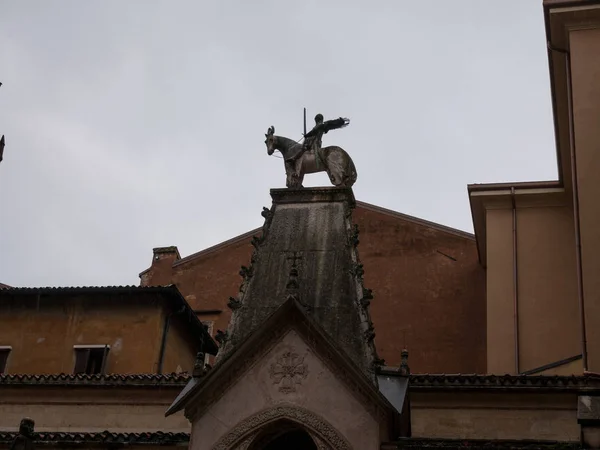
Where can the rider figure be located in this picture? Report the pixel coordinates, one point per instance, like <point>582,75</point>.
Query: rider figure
<point>313,139</point>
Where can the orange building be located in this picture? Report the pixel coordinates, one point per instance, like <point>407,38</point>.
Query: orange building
<point>92,359</point>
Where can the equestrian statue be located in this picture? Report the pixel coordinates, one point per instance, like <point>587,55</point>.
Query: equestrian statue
<point>309,157</point>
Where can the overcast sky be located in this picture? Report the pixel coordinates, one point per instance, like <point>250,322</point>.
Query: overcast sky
<point>136,124</point>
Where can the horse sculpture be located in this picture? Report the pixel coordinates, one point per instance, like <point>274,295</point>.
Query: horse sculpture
<point>333,160</point>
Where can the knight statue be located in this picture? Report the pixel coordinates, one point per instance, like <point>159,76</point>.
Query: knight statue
<point>310,157</point>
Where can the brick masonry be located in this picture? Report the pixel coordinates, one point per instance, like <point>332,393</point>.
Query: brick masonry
<point>428,285</point>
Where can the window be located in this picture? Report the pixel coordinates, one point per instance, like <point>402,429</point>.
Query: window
<point>90,359</point>
<point>4,352</point>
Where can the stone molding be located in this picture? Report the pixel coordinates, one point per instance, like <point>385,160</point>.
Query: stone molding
<point>243,433</point>
<point>288,370</point>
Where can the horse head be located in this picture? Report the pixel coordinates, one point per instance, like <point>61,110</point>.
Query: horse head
<point>270,141</point>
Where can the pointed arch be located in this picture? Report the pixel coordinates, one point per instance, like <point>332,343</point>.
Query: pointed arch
<point>246,430</point>
<point>281,434</point>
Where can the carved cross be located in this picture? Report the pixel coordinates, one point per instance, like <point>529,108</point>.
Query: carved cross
<point>294,258</point>
<point>293,278</point>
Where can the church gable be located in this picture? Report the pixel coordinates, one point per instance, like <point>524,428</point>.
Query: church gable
<point>294,381</point>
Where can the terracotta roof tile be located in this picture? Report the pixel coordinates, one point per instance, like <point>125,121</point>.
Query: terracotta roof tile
<point>171,379</point>
<point>102,438</point>
<point>476,444</point>
<point>417,381</point>
<point>473,381</point>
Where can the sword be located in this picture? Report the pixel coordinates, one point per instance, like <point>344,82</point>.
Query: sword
<point>304,122</point>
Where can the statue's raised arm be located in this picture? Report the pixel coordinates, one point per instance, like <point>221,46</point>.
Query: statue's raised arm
<point>328,125</point>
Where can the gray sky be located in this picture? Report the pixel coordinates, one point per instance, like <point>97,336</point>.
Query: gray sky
<point>137,124</point>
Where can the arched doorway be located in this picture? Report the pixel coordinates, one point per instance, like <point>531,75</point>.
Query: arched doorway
<point>257,431</point>
<point>283,435</point>
<point>292,440</point>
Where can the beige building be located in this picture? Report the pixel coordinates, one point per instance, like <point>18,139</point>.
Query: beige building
<point>539,241</point>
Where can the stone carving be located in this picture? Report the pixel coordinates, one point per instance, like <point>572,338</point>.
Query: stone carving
<point>308,420</point>
<point>222,336</point>
<point>245,444</point>
<point>366,298</point>
<point>234,303</point>
<point>268,215</point>
<point>24,440</point>
<point>288,371</point>
<point>309,157</point>
<point>357,270</point>
<point>199,366</point>
<point>246,272</point>
<point>267,342</point>
<point>255,241</point>
<point>353,237</point>
<point>370,333</point>
<point>320,444</point>
<point>404,369</point>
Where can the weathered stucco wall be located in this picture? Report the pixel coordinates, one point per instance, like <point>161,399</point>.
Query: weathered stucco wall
<point>500,322</point>
<point>94,409</point>
<point>585,67</point>
<point>495,416</point>
<point>42,339</point>
<point>429,289</point>
<point>547,286</point>
<point>547,291</point>
<point>321,392</point>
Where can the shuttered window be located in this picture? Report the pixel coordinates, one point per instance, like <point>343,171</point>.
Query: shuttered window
<point>91,360</point>
<point>4,352</point>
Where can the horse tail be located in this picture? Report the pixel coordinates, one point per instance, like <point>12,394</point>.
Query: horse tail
<point>352,176</point>
<point>339,166</point>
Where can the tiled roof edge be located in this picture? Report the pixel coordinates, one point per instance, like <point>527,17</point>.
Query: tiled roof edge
<point>417,381</point>
<point>102,438</point>
<point>474,381</point>
<point>472,444</point>
<point>86,289</point>
<point>172,379</point>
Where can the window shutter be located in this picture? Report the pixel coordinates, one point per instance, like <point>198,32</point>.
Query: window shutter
<point>82,356</point>
<point>104,358</point>
<point>3,359</point>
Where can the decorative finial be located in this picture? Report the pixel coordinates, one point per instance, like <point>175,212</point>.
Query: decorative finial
<point>198,365</point>
<point>221,336</point>
<point>24,440</point>
<point>404,369</point>
<point>234,303</point>
<point>292,284</point>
